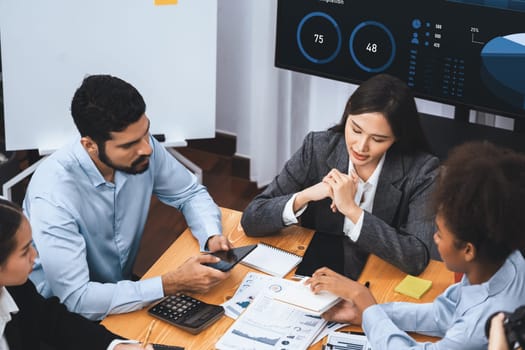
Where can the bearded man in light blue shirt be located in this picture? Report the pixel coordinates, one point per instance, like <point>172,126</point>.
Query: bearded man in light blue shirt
<point>88,204</point>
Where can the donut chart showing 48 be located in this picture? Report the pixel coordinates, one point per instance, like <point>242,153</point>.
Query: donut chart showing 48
<point>371,43</point>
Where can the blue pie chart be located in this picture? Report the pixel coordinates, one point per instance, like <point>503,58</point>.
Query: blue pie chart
<point>503,66</point>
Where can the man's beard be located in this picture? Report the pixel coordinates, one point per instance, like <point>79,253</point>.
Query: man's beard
<point>132,169</point>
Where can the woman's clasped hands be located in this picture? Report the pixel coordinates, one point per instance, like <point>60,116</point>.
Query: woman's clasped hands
<point>342,190</point>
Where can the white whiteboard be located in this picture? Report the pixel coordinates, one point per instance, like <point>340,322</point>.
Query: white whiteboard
<point>167,52</point>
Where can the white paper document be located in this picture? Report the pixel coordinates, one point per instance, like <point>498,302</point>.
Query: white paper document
<point>347,341</point>
<point>329,328</point>
<point>252,284</point>
<point>300,295</point>
<point>270,324</point>
<point>292,292</point>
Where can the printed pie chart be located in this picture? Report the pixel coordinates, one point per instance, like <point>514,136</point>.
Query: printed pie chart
<point>502,67</point>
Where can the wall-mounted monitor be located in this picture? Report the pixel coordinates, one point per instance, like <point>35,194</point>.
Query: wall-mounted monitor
<point>468,53</point>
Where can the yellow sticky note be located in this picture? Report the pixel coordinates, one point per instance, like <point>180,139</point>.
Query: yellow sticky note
<point>165,2</point>
<point>413,287</point>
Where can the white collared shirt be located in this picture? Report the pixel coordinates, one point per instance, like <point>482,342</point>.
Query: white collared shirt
<point>364,197</point>
<point>7,307</point>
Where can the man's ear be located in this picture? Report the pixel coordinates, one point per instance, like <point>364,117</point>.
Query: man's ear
<point>89,145</point>
<point>470,252</point>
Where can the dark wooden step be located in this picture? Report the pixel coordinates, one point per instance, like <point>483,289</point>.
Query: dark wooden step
<point>230,191</point>
<point>207,161</point>
<point>222,144</point>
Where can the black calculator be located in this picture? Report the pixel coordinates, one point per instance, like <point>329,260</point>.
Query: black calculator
<point>186,312</point>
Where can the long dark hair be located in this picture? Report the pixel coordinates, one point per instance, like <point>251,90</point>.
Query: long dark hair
<point>10,219</point>
<point>480,195</point>
<point>391,97</point>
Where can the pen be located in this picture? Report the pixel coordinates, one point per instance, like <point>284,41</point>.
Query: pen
<point>148,333</point>
<point>299,277</point>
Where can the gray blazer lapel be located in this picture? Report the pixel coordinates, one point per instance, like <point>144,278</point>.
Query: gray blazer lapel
<point>338,158</point>
<point>388,195</point>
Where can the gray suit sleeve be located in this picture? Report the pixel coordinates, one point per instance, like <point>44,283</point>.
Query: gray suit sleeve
<point>408,246</point>
<point>263,216</point>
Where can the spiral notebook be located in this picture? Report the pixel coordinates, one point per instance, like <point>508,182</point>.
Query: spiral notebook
<point>271,260</point>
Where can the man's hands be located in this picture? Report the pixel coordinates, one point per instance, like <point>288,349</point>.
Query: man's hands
<point>218,242</point>
<point>356,296</point>
<point>192,276</point>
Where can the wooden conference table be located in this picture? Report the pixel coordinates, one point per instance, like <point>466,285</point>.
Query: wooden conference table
<point>382,276</point>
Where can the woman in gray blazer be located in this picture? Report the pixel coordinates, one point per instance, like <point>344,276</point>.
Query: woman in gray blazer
<point>367,180</point>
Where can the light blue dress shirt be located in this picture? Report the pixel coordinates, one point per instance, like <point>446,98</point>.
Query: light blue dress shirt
<point>87,231</point>
<point>458,315</point>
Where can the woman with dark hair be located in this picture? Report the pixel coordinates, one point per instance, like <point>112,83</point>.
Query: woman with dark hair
<point>479,202</point>
<point>365,180</point>
<point>27,320</point>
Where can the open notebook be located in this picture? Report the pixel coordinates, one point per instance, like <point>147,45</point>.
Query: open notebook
<point>272,260</point>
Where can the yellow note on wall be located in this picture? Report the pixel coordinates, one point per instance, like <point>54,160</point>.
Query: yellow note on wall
<point>165,2</point>
<point>414,287</point>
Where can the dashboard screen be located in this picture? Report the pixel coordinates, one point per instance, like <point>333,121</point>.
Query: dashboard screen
<point>462,52</point>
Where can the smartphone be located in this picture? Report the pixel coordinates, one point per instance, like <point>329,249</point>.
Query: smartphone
<point>230,258</point>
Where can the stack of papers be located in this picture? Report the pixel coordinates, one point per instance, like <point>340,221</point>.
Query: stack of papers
<point>269,324</point>
<point>268,315</point>
<point>252,285</point>
<point>291,292</point>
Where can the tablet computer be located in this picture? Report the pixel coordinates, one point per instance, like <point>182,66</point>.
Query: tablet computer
<point>325,249</point>
<point>230,258</point>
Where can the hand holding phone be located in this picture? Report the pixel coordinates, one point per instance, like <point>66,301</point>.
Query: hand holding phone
<point>230,258</point>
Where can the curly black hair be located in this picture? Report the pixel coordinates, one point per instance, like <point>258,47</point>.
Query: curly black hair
<point>104,104</point>
<point>480,194</point>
